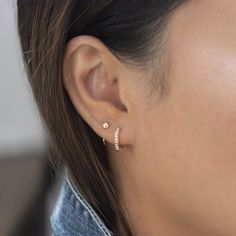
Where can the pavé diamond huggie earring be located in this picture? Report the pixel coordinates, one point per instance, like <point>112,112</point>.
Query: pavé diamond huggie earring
<point>117,139</point>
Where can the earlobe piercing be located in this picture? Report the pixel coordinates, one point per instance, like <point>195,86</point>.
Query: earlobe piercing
<point>106,125</point>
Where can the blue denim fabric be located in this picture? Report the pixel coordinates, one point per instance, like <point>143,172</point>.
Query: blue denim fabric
<point>73,216</point>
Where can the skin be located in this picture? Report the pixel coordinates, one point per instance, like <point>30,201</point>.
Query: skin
<point>177,171</point>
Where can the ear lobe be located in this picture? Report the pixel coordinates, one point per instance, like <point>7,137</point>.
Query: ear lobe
<point>90,79</point>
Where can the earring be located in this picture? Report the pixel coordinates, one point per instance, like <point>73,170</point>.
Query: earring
<point>104,141</point>
<point>117,139</point>
<point>105,125</point>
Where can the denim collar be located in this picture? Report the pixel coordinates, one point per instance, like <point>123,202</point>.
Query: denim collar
<point>73,216</point>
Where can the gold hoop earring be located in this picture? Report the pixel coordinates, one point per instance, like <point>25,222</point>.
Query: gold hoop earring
<point>104,141</point>
<point>117,139</point>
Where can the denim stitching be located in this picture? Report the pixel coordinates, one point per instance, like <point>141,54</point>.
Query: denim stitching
<point>87,206</point>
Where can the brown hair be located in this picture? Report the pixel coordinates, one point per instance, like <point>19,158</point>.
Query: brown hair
<point>45,26</point>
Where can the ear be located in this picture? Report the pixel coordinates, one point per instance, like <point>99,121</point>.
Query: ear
<point>96,81</point>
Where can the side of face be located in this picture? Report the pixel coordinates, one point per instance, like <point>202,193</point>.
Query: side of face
<point>186,143</point>
<point>181,150</point>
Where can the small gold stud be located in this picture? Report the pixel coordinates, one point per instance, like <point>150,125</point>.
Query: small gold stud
<point>105,125</point>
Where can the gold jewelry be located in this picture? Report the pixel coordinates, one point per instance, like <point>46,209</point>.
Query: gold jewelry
<point>117,139</point>
<point>104,141</point>
<point>105,125</point>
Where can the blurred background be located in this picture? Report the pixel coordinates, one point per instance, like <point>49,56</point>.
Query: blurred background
<point>28,186</point>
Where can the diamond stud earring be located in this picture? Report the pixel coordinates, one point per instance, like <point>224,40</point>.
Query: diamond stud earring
<point>105,125</point>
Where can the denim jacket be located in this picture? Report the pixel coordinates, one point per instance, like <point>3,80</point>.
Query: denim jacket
<point>73,216</point>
